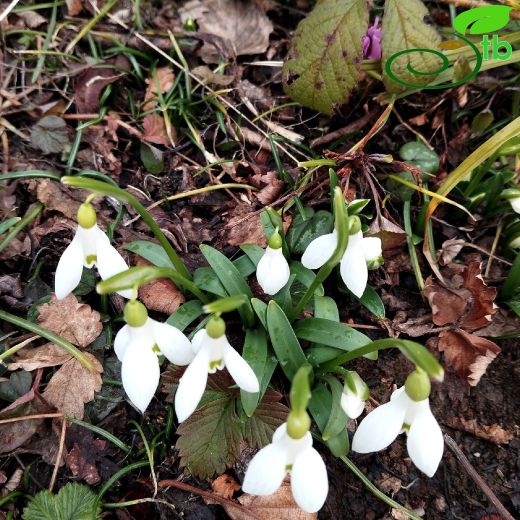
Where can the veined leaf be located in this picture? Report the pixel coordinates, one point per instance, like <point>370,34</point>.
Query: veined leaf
<point>325,54</point>
<point>404,29</point>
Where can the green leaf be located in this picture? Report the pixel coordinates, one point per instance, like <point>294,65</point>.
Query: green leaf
<point>19,384</point>
<point>8,223</point>
<point>372,301</point>
<point>50,135</point>
<point>325,54</point>
<point>258,430</point>
<point>260,309</point>
<point>187,313</point>
<point>150,251</point>
<point>255,353</point>
<point>207,280</point>
<point>303,232</point>
<point>481,20</point>
<point>325,307</point>
<point>420,155</point>
<point>320,354</point>
<point>337,420</point>
<point>405,30</point>
<point>231,280</point>
<point>253,252</point>
<point>286,346</point>
<point>152,158</point>
<point>330,333</point>
<point>209,440</point>
<point>284,297</point>
<point>306,277</point>
<point>73,502</point>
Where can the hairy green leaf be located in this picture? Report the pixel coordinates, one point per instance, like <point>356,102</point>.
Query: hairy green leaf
<point>404,29</point>
<point>325,55</point>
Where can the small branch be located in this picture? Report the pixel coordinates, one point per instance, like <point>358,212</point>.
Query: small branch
<point>59,454</point>
<point>504,513</point>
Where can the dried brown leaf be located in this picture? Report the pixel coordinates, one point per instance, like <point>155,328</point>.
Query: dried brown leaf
<point>48,355</point>
<point>154,130</point>
<point>391,234</point>
<point>224,486</point>
<point>74,7</point>
<point>466,354</point>
<point>76,322</point>
<point>73,385</point>
<point>80,467</point>
<point>160,83</point>
<point>239,27</point>
<point>490,432</point>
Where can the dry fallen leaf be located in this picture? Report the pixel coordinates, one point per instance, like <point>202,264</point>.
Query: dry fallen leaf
<point>76,322</point>
<point>391,234</point>
<point>73,385</point>
<point>160,83</point>
<point>48,355</point>
<point>154,129</point>
<point>239,27</point>
<point>278,506</point>
<point>466,354</point>
<point>224,486</point>
<point>80,467</point>
<point>74,7</point>
<point>490,432</point>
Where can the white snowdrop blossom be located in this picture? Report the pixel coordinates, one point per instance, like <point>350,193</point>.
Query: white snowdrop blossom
<point>211,354</point>
<point>272,271</point>
<point>515,204</point>
<point>138,348</point>
<point>355,393</point>
<point>361,254</point>
<point>90,246</point>
<point>267,470</point>
<point>425,443</point>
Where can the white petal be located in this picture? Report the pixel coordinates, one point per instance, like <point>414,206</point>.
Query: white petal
<point>109,261</point>
<point>89,237</point>
<point>266,471</point>
<point>380,427</point>
<point>192,385</point>
<point>198,340</point>
<point>69,269</point>
<point>352,405</point>
<point>121,342</point>
<point>172,343</point>
<point>372,248</point>
<point>240,371</point>
<point>272,271</point>
<point>353,268</point>
<point>140,374</point>
<point>515,204</point>
<point>309,481</point>
<point>425,442</point>
<point>320,250</point>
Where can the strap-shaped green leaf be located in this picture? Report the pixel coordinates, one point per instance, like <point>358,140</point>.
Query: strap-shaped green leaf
<point>255,353</point>
<point>337,421</point>
<point>284,341</point>
<point>330,333</point>
<point>326,53</point>
<point>260,309</point>
<point>230,278</point>
<point>187,313</point>
<point>372,301</point>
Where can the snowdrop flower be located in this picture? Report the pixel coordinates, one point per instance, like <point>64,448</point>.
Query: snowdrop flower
<point>267,470</point>
<point>90,246</point>
<point>273,271</point>
<point>515,204</point>
<point>212,352</point>
<point>408,411</point>
<point>137,346</point>
<point>355,393</point>
<point>362,253</point>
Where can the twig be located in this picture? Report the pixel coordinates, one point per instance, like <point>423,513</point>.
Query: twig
<point>207,495</point>
<point>504,513</point>
<point>31,417</point>
<point>60,453</point>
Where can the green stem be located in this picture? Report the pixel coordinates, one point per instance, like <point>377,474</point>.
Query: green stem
<point>113,191</point>
<point>512,281</point>
<point>20,225</point>
<point>375,491</point>
<point>411,247</point>
<point>317,163</point>
<point>13,350</point>
<point>47,334</point>
<point>341,227</point>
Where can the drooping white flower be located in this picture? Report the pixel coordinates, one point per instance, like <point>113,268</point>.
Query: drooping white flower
<point>380,427</point>
<point>361,254</point>
<point>272,271</point>
<point>355,393</point>
<point>515,204</point>
<point>90,246</point>
<point>267,470</point>
<point>211,354</point>
<point>138,347</point>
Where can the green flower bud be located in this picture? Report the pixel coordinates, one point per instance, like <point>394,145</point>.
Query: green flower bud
<point>87,215</point>
<point>135,313</point>
<point>275,240</point>
<point>216,327</point>
<point>417,385</point>
<point>298,424</point>
<point>354,224</point>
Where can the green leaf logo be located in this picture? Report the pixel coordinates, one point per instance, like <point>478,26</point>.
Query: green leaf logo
<point>482,20</point>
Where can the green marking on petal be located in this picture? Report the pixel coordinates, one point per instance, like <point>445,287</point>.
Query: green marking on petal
<point>288,467</point>
<point>215,364</point>
<point>90,259</point>
<point>156,349</point>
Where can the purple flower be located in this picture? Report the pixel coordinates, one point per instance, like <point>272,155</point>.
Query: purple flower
<point>372,41</point>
